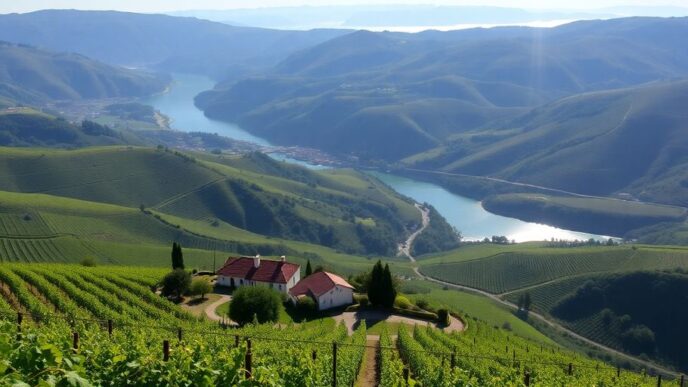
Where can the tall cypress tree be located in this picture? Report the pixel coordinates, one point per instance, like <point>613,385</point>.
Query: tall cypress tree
<point>177,256</point>
<point>389,294</point>
<point>374,288</point>
<point>309,269</point>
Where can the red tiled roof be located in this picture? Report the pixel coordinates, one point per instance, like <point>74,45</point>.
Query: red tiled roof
<point>317,284</point>
<point>268,270</point>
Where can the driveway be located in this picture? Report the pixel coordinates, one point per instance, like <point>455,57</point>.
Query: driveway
<point>353,319</point>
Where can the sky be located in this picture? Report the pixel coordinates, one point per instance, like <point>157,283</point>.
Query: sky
<point>150,6</point>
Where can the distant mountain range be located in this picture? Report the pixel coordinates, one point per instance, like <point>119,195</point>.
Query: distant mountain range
<point>410,15</point>
<point>391,95</point>
<point>29,75</point>
<point>516,103</point>
<point>158,41</point>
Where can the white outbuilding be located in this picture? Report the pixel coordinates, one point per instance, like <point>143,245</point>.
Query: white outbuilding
<point>326,289</point>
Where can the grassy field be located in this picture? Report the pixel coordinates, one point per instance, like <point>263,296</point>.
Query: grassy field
<point>468,304</point>
<point>252,193</point>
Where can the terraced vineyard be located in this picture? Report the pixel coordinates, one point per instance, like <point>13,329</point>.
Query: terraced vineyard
<point>487,356</point>
<point>546,296</point>
<point>514,270</point>
<point>58,300</point>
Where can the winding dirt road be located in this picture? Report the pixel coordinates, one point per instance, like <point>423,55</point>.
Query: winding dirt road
<point>211,310</point>
<point>405,248</point>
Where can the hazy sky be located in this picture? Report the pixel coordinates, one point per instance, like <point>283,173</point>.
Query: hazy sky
<point>7,6</point>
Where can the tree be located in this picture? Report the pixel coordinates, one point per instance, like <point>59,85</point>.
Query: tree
<point>200,287</point>
<point>388,290</point>
<point>258,301</point>
<point>527,301</point>
<point>176,283</point>
<point>381,286</point>
<point>177,256</point>
<point>309,269</point>
<point>374,287</point>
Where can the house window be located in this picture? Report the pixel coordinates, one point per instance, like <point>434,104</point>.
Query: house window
<point>241,282</point>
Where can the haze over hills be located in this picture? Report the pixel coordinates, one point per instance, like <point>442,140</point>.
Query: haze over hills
<point>157,41</point>
<point>414,17</point>
<point>635,141</point>
<point>377,16</point>
<point>417,90</point>
<point>30,75</point>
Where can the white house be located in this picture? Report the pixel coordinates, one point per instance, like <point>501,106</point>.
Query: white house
<point>254,271</point>
<point>327,290</point>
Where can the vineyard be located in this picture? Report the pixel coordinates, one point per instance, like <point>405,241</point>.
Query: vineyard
<point>77,325</point>
<point>510,271</point>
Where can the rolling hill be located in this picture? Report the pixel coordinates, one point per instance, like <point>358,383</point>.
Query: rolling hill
<point>203,194</point>
<point>640,287</point>
<point>29,75</point>
<point>412,92</point>
<point>29,127</point>
<point>166,43</point>
<point>634,141</point>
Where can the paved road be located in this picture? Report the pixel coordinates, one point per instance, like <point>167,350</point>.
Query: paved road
<point>211,309</point>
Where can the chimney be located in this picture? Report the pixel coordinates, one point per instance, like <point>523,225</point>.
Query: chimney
<point>256,261</point>
<point>283,258</point>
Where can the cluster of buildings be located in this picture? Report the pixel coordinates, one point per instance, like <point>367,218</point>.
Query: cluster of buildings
<point>328,290</point>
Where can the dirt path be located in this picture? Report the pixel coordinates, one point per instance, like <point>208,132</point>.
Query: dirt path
<point>369,375</point>
<point>405,248</point>
<point>353,319</point>
<point>210,310</point>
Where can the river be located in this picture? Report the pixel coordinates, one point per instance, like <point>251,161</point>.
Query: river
<point>467,215</point>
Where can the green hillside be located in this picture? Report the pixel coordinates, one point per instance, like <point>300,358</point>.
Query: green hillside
<point>28,127</point>
<point>600,216</point>
<point>632,139</point>
<point>575,285</point>
<point>157,196</point>
<point>30,75</point>
<point>504,269</point>
<point>633,312</point>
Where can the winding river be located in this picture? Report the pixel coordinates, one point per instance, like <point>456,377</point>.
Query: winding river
<point>467,215</point>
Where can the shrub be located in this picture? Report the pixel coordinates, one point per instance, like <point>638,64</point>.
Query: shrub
<point>200,287</point>
<point>88,262</point>
<point>248,301</point>
<point>361,299</point>
<point>422,303</point>
<point>506,326</point>
<point>176,283</point>
<point>402,302</point>
<point>306,304</point>
<point>415,313</point>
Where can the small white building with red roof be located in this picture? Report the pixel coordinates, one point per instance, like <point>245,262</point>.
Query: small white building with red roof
<point>254,271</point>
<point>326,289</point>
